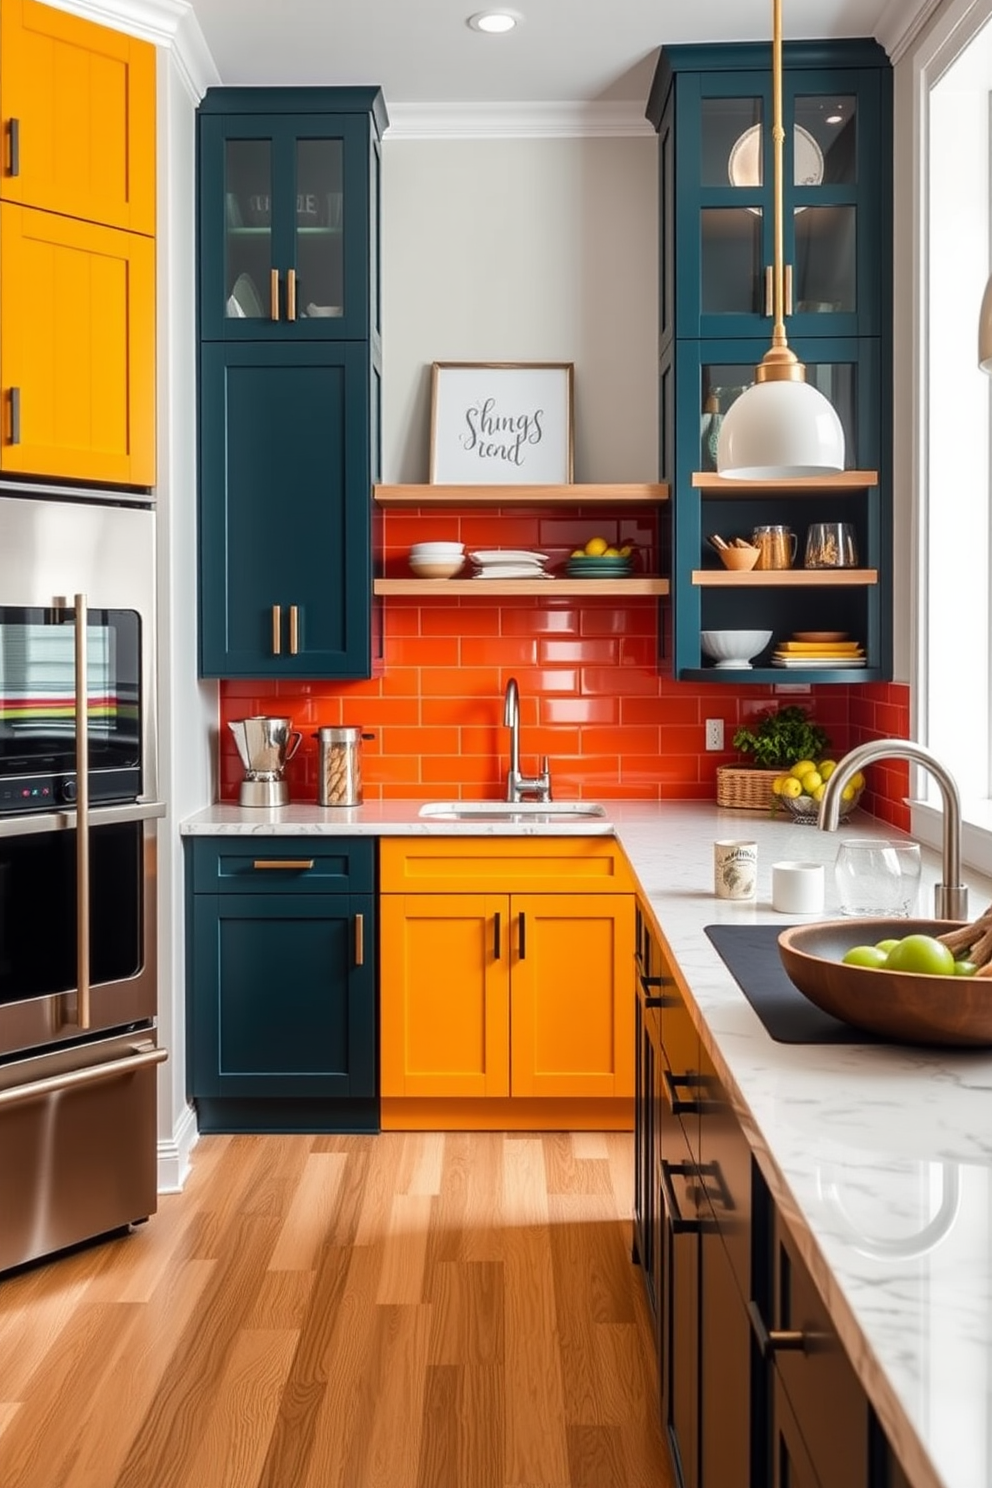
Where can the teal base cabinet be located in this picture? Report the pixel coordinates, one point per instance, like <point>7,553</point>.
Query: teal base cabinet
<point>282,985</point>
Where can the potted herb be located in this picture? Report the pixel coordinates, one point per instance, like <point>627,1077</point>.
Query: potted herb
<point>775,741</point>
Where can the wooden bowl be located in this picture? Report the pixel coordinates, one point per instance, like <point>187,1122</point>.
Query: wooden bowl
<point>739,559</point>
<point>904,1006</point>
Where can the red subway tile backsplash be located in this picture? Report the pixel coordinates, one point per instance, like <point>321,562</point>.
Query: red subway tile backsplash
<point>594,696</point>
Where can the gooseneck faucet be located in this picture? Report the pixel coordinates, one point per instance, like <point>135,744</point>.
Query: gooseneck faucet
<point>519,786</point>
<point>950,896</point>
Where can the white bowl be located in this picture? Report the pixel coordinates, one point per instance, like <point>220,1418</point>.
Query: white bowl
<point>438,568</point>
<point>734,648</point>
<point>437,550</point>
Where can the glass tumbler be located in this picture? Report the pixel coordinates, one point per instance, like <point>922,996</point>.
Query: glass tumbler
<point>877,877</point>
<point>831,545</point>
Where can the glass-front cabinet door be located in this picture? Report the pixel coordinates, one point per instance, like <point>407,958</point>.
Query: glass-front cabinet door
<point>285,218</point>
<point>722,197</point>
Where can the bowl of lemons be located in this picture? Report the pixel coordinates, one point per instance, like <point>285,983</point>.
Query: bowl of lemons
<point>600,559</point>
<point>799,790</point>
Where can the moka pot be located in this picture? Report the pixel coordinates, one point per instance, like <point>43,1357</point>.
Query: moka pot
<point>265,745</point>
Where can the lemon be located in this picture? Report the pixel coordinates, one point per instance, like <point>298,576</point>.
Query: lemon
<point>802,767</point>
<point>596,547</point>
<point>791,787</point>
<point>857,781</point>
<point>818,791</point>
<point>612,553</point>
<point>826,768</point>
<point>778,783</point>
<point>626,550</point>
<point>578,553</point>
<point>849,792</point>
<point>810,781</point>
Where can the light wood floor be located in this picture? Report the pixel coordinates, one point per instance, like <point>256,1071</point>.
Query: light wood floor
<point>419,1310</point>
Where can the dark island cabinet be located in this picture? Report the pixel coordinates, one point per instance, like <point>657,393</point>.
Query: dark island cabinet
<point>282,984</point>
<point>711,106</point>
<point>289,380</point>
<point>756,1388</point>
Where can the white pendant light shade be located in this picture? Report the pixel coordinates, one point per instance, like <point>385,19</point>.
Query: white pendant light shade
<point>777,429</point>
<point>985,330</point>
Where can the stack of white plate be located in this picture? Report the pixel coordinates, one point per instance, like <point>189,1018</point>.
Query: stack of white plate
<point>509,563</point>
<point>437,560</point>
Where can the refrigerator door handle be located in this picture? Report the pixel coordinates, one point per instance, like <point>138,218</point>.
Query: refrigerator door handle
<point>92,1074</point>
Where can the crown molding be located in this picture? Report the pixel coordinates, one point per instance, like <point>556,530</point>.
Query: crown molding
<point>434,121</point>
<point>900,24</point>
<point>166,23</point>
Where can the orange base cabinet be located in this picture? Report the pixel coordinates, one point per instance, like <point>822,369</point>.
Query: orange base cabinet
<point>77,349</point>
<point>501,1008</point>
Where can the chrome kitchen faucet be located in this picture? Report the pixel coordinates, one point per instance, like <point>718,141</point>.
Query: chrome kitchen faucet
<point>950,896</point>
<point>519,787</point>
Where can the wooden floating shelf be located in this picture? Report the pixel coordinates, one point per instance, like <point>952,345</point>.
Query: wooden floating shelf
<point>567,495</point>
<point>785,578</point>
<point>844,480</point>
<point>549,588</point>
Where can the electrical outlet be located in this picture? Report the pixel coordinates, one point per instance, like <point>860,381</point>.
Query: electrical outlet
<point>714,733</point>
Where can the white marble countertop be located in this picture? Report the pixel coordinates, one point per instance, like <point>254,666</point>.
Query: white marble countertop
<point>880,1157</point>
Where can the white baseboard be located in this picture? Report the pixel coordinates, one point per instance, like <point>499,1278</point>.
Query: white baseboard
<point>173,1155</point>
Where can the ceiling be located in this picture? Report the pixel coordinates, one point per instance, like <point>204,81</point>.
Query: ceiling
<point>423,52</point>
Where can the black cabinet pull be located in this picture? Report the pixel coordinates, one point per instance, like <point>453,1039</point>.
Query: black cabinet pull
<point>523,937</point>
<point>15,415</point>
<point>773,1340</point>
<point>497,937</point>
<point>15,147</point>
<point>723,1196</point>
<point>679,1106</point>
<point>677,1221</point>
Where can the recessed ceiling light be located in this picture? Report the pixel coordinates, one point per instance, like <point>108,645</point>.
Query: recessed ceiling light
<point>493,22</point>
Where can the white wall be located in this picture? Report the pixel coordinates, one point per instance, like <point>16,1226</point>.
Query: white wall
<point>524,250</point>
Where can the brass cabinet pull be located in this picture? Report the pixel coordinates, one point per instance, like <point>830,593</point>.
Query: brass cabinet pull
<point>276,630</point>
<point>82,817</point>
<point>788,289</point>
<point>291,295</point>
<point>359,940</point>
<point>15,146</point>
<point>297,865</point>
<point>294,630</point>
<point>773,1340</point>
<point>15,415</point>
<point>769,290</point>
<point>497,936</point>
<point>274,295</point>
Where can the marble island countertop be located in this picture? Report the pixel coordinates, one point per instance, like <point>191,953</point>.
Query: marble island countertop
<point>879,1156</point>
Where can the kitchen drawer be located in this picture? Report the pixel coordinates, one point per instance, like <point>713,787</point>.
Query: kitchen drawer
<point>682,1079</point>
<point>817,1372</point>
<point>504,865</point>
<point>726,1171</point>
<point>297,865</point>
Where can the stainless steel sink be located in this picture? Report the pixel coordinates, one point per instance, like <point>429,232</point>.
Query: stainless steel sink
<point>512,811</point>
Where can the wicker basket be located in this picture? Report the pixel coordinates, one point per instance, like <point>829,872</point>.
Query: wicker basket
<point>746,787</point>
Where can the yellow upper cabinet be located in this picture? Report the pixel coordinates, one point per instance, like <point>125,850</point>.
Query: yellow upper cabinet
<point>78,107</point>
<point>77,349</point>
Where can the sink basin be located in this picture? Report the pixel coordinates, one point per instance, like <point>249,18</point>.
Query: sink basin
<point>512,811</point>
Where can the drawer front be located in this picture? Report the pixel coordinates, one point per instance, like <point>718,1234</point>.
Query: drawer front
<point>272,865</point>
<point>836,1439</point>
<point>503,865</point>
<point>725,1170</point>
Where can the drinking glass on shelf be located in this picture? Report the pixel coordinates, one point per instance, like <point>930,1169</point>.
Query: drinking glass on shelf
<point>877,877</point>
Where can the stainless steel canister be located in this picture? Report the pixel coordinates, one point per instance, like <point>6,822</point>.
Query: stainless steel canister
<point>339,765</point>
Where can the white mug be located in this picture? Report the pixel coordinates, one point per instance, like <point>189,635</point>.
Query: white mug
<point>735,869</point>
<point>798,888</point>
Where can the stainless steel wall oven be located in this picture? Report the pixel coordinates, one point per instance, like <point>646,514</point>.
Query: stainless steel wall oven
<point>78,809</point>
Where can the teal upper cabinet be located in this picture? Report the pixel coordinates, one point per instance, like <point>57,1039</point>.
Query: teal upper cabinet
<point>712,108</point>
<point>289,378</point>
<point>288,200</point>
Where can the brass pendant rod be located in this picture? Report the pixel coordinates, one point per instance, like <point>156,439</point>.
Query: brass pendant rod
<point>779,363</point>
<point>778,181</point>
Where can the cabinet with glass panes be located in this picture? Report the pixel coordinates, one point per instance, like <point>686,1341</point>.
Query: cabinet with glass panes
<point>712,108</point>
